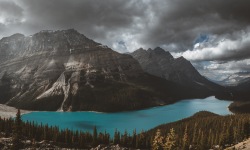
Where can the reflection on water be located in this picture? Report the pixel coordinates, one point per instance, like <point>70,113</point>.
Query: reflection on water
<point>139,120</point>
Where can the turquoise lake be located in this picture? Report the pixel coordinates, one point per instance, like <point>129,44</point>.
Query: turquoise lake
<point>139,120</point>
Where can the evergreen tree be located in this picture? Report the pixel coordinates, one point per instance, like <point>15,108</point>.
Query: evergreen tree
<point>117,137</point>
<point>185,140</point>
<point>17,132</point>
<point>125,138</point>
<point>158,141</point>
<point>170,140</point>
<point>134,139</point>
<point>223,136</point>
<point>94,137</point>
<point>246,129</point>
<point>203,141</point>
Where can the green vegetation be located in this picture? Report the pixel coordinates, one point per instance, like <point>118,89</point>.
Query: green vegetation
<point>240,107</point>
<point>204,130</point>
<point>17,132</point>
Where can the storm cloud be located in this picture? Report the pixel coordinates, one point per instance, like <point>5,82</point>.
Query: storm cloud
<point>214,31</point>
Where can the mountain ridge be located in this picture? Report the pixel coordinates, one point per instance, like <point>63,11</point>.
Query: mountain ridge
<point>64,70</point>
<point>161,63</point>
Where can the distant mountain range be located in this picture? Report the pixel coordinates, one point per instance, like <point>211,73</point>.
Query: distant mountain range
<point>234,79</point>
<point>66,71</point>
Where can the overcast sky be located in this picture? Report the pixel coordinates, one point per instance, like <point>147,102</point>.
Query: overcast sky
<point>213,34</point>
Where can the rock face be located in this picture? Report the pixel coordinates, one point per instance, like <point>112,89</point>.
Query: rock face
<point>161,63</point>
<point>66,71</point>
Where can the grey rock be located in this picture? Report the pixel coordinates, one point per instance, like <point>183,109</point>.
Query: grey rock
<point>161,63</point>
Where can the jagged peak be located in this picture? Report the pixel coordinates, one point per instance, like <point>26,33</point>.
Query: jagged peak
<point>140,50</point>
<point>51,32</point>
<point>71,35</point>
<point>14,36</point>
<point>71,30</point>
<point>159,49</point>
<point>181,59</point>
<point>17,35</point>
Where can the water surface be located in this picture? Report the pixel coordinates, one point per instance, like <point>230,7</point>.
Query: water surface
<point>139,120</point>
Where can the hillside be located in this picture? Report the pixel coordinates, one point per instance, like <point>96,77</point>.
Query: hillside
<point>240,95</point>
<point>206,130</point>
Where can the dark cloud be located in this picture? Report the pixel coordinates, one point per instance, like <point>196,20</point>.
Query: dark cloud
<point>10,14</point>
<point>101,20</point>
<point>174,25</point>
<point>11,10</point>
<point>181,22</point>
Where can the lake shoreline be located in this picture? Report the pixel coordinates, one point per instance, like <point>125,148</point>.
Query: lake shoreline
<point>10,112</point>
<point>140,120</point>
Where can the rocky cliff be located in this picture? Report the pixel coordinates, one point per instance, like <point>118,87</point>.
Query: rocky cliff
<point>66,71</point>
<point>161,63</point>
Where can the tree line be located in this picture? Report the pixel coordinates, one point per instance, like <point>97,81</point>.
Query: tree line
<point>204,130</point>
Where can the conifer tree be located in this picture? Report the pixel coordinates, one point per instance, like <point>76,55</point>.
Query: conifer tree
<point>116,137</point>
<point>170,140</point>
<point>158,141</point>
<point>194,133</point>
<point>246,129</point>
<point>134,139</point>
<point>94,136</point>
<point>17,132</point>
<point>125,138</point>
<point>185,140</point>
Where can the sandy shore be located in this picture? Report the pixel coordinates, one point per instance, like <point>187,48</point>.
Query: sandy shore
<point>8,112</point>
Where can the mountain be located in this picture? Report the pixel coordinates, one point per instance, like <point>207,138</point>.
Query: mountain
<point>240,92</point>
<point>240,95</point>
<point>161,63</point>
<point>234,79</point>
<point>66,71</point>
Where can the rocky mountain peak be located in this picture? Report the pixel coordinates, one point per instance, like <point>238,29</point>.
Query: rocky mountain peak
<point>14,37</point>
<point>141,49</point>
<point>182,60</point>
<point>61,42</point>
<point>157,52</point>
<point>17,35</point>
<point>162,64</point>
<point>61,68</point>
<point>159,49</point>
